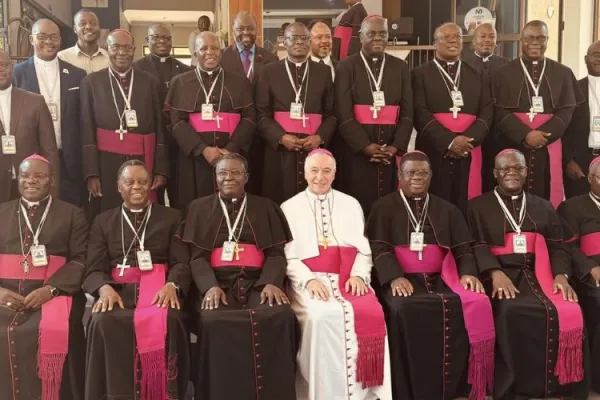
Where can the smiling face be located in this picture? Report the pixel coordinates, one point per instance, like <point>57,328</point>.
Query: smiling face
<point>120,50</point>
<point>510,171</point>
<point>534,41</point>
<point>594,179</point>
<point>244,29</point>
<point>374,36</point>
<point>35,180</point>
<point>484,40</point>
<point>45,39</point>
<point>231,178</point>
<point>448,42</point>
<point>296,41</point>
<point>5,70</point>
<point>414,178</point>
<point>208,51</point>
<point>160,40</point>
<point>86,27</point>
<point>134,186</point>
<point>320,40</point>
<point>592,59</point>
<point>319,173</point>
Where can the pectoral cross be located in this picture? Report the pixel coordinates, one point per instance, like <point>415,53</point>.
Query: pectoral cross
<point>531,114</point>
<point>121,132</point>
<point>304,118</point>
<point>122,267</point>
<point>324,242</point>
<point>218,119</point>
<point>25,266</point>
<point>455,109</point>
<point>236,250</point>
<point>375,109</point>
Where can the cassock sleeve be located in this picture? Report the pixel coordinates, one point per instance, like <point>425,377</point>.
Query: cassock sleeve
<point>562,116</point>
<point>161,160</point>
<point>486,261</point>
<point>47,142</point>
<point>363,264</point>
<point>329,121</point>
<point>404,126</point>
<point>68,279</point>
<point>462,241</point>
<point>298,273</point>
<point>270,130</point>
<point>89,158</point>
<point>202,272</point>
<point>244,133</point>
<point>505,122</point>
<point>480,128</point>
<point>559,256</point>
<point>425,123</point>
<point>274,267</point>
<point>386,265</point>
<point>179,259</point>
<point>582,264</point>
<point>351,131</point>
<point>98,262</point>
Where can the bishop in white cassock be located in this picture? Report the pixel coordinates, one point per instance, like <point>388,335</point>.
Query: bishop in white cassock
<point>343,352</point>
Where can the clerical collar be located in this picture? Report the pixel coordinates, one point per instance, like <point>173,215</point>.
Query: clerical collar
<point>370,58</point>
<point>484,58</point>
<point>320,197</point>
<point>233,200</point>
<point>30,204</point>
<point>450,63</point>
<point>161,59</point>
<point>141,210</point>
<point>298,65</point>
<point>326,60</point>
<point>38,60</point>
<point>508,196</point>
<point>209,73</point>
<point>594,196</point>
<point>121,74</point>
<point>532,62</point>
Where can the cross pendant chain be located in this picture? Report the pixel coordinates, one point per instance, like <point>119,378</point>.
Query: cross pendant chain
<point>375,109</point>
<point>236,250</point>
<point>25,265</point>
<point>121,132</point>
<point>531,114</point>
<point>324,242</point>
<point>455,109</point>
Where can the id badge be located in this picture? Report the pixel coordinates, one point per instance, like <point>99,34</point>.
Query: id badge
<point>596,124</point>
<point>53,107</point>
<point>417,241</point>
<point>296,111</point>
<point>9,144</point>
<point>379,98</point>
<point>131,119</point>
<point>537,102</point>
<point>228,250</point>
<point>520,244</point>
<point>595,139</point>
<point>38,255</point>
<point>207,112</point>
<point>144,260</point>
<point>457,98</point>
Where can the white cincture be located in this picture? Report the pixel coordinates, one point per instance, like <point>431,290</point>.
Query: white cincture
<point>378,94</point>
<point>519,240</point>
<point>537,102</point>
<point>208,109</point>
<point>297,108</point>
<point>38,252</point>
<point>144,257</point>
<point>128,114</point>
<point>455,93</point>
<point>231,246</point>
<point>417,238</point>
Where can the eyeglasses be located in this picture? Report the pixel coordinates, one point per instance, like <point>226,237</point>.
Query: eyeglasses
<point>34,177</point>
<point>376,34</point>
<point>118,47</point>
<point>5,65</point>
<point>540,39</point>
<point>158,38</point>
<point>42,37</point>
<point>297,38</point>
<point>421,173</point>
<point>234,174</point>
<point>594,56</point>
<point>447,38</point>
<point>519,169</point>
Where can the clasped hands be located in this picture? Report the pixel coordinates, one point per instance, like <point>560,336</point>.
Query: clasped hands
<point>33,300</point>
<point>294,143</point>
<point>381,154</point>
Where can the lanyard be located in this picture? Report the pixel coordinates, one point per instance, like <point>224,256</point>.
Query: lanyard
<point>417,224</point>
<point>516,227</point>
<point>37,232</point>
<point>536,88</point>
<point>44,80</point>
<point>126,98</point>
<point>456,81</point>
<point>594,89</point>
<point>305,76</point>
<point>377,82</point>
<point>141,239</point>
<point>209,93</point>
<point>595,200</point>
<point>237,220</point>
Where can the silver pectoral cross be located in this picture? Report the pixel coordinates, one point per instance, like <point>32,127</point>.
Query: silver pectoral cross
<point>531,114</point>
<point>25,266</point>
<point>122,267</point>
<point>375,109</point>
<point>304,118</point>
<point>121,132</point>
<point>455,109</point>
<point>218,119</point>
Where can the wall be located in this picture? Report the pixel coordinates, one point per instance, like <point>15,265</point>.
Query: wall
<point>184,5</point>
<point>538,9</point>
<point>578,34</point>
<point>373,6</point>
<point>180,36</point>
<point>61,9</point>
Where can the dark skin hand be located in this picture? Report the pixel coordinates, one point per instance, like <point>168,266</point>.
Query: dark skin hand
<point>292,143</point>
<point>167,296</point>
<point>561,283</point>
<point>574,171</point>
<point>107,300</point>
<point>273,293</point>
<point>37,298</point>
<point>503,287</point>
<point>16,300</point>
<point>402,287</point>
<point>213,297</point>
<point>595,275</point>
<point>536,139</point>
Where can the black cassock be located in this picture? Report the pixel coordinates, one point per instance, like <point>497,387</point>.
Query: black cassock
<point>112,355</point>
<point>65,235</point>
<point>195,177</point>
<point>351,19</point>
<point>451,178</point>
<point>357,176</point>
<point>283,169</point>
<point>98,111</point>
<point>583,217</point>
<point>512,94</point>
<point>487,66</point>
<point>527,326</point>
<point>428,362</point>
<point>245,350</point>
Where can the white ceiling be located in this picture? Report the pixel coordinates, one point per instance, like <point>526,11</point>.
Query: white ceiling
<point>135,17</point>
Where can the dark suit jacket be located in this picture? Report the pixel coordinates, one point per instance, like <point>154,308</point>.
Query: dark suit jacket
<point>24,77</point>
<point>31,124</point>
<point>147,64</point>
<point>231,61</point>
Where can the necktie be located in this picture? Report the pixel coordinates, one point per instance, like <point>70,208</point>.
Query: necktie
<point>246,60</point>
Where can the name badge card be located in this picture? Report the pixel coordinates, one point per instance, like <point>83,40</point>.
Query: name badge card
<point>207,112</point>
<point>520,244</point>
<point>457,98</point>
<point>53,107</point>
<point>596,124</point>
<point>537,102</point>
<point>144,259</point>
<point>417,241</point>
<point>9,144</point>
<point>131,119</point>
<point>228,250</point>
<point>38,255</point>
<point>296,110</point>
<point>378,99</point>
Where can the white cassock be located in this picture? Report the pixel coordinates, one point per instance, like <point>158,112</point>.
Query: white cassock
<point>329,346</point>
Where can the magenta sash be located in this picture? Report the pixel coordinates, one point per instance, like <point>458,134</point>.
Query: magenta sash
<point>557,192</point>
<point>569,366</point>
<point>477,312</point>
<point>458,126</point>
<point>250,256</point>
<point>227,123</point>
<point>310,126</point>
<point>344,33</point>
<point>369,321</point>
<point>387,115</point>
<point>133,144</point>
<point>150,324</point>
<point>590,244</point>
<point>54,324</point>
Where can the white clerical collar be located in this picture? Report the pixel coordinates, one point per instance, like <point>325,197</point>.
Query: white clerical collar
<point>321,197</point>
<point>162,59</point>
<point>595,79</point>
<point>594,196</point>
<point>6,92</point>
<point>298,65</point>
<point>137,211</point>
<point>326,60</point>
<point>30,204</point>
<point>121,74</point>
<point>484,58</point>
<point>52,62</point>
<point>209,73</point>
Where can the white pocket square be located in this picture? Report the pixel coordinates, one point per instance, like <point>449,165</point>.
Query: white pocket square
<point>74,88</point>
<point>65,71</point>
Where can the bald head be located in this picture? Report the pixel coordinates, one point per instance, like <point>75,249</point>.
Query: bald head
<point>296,41</point>
<point>534,40</point>
<point>121,46</point>
<point>448,41</point>
<point>45,39</point>
<point>244,29</point>
<point>592,59</point>
<point>374,35</point>
<point>208,51</point>
<point>159,40</point>
<point>320,40</point>
<point>510,171</point>
<point>484,40</point>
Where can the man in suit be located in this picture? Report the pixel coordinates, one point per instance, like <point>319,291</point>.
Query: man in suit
<point>320,45</point>
<point>582,137</point>
<point>25,127</point>
<point>161,65</point>
<point>246,58</point>
<point>58,81</point>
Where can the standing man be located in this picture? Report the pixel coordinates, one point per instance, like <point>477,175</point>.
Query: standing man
<point>320,45</point>
<point>453,113</point>
<point>26,128</point>
<point>163,67</point>
<point>346,41</point>
<point>121,119</point>
<point>86,54</point>
<point>212,113</point>
<point>203,26</point>
<point>374,103</point>
<point>582,137</point>
<point>484,45</point>
<point>58,81</point>
<point>519,246</point>
<point>294,103</point>
<point>534,101</point>
<point>42,263</point>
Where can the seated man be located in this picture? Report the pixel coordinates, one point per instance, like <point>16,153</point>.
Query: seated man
<point>42,258</point>
<point>329,265</point>
<point>438,317</point>
<point>137,344</point>
<point>519,246</point>
<point>582,213</point>
<point>246,341</point>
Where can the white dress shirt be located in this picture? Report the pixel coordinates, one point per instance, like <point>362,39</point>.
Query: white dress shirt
<point>594,104</point>
<point>48,77</point>
<point>5,97</point>
<point>95,62</point>
<point>327,61</point>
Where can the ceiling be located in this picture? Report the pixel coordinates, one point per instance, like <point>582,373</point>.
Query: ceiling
<point>143,17</point>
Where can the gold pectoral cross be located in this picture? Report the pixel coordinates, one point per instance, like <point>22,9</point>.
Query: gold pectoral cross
<point>236,250</point>
<point>324,242</point>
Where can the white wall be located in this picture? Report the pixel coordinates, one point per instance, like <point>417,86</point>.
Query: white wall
<point>180,36</point>
<point>374,6</point>
<point>61,9</point>
<point>578,34</point>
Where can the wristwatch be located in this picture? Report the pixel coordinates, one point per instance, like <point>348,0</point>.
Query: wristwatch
<point>53,290</point>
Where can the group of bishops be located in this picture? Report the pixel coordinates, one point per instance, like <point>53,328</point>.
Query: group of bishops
<point>463,282</point>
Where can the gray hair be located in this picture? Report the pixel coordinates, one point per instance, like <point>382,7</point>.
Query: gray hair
<point>202,35</point>
<point>320,153</point>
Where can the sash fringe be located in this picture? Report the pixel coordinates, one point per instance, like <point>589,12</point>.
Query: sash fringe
<point>154,375</point>
<point>569,366</point>
<point>370,362</point>
<point>50,369</point>
<point>481,369</point>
